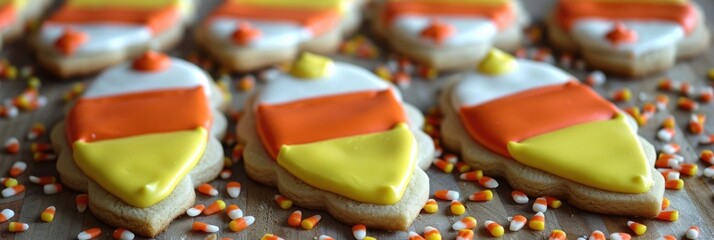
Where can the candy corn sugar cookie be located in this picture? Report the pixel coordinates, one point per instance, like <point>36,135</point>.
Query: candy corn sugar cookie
<point>139,140</point>
<point>246,35</point>
<point>549,135</point>
<point>15,15</point>
<point>86,36</point>
<point>334,137</point>
<point>629,37</point>
<point>451,34</point>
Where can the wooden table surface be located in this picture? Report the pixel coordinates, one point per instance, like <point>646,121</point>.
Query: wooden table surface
<point>695,203</point>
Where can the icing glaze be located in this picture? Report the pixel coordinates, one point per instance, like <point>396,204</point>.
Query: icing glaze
<point>322,118</point>
<point>138,133</point>
<point>497,62</point>
<point>345,78</point>
<point>9,10</point>
<point>157,20</point>
<point>437,31</point>
<point>70,40</point>
<point>568,12</point>
<point>502,15</point>
<point>601,154</point>
<point>317,21</point>
<point>151,61</point>
<point>153,4</point>
<point>467,30</point>
<point>141,170</point>
<point>565,129</point>
<point>312,67</point>
<point>621,34</point>
<point>122,79</point>
<point>528,75</point>
<point>245,33</point>
<point>101,37</point>
<point>97,119</point>
<point>274,34</point>
<point>371,168</point>
<point>651,35</point>
<point>531,113</point>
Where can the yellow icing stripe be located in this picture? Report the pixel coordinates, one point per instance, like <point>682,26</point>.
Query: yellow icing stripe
<point>372,168</point>
<point>123,3</point>
<point>141,170</point>
<point>314,4</point>
<point>603,154</point>
<point>19,4</point>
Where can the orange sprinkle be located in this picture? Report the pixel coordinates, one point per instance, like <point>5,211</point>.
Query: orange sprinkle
<point>233,189</point>
<point>48,214</point>
<point>482,196</point>
<point>472,176</point>
<point>445,166</point>
<point>447,194</point>
<point>82,200</point>
<point>465,234</point>
<point>557,235</point>
<point>675,184</point>
<point>431,206</point>
<point>359,231</point>
<point>195,210</point>
<point>18,168</point>
<point>517,222</point>
<point>89,234</point>
<point>241,224</point>
<point>122,233</point>
<point>669,215</point>
<point>234,212</point>
<point>295,218</point>
<point>204,227</point>
<point>283,201</point>
<point>488,182</point>
<point>207,189</point>
<point>215,207</point>
<point>464,223</point>
<point>311,222</point>
<point>665,203</point>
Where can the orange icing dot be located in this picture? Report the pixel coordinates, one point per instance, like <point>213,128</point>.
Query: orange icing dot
<point>621,34</point>
<point>151,61</point>
<point>438,31</point>
<point>245,33</point>
<point>70,40</point>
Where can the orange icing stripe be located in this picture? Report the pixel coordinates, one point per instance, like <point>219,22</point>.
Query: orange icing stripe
<point>328,117</point>
<point>318,21</point>
<point>569,11</point>
<point>533,112</point>
<point>127,115</point>
<point>8,13</point>
<point>157,20</point>
<point>503,15</point>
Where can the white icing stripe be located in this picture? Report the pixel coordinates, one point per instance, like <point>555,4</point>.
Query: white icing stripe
<point>469,30</point>
<point>274,34</point>
<point>122,79</point>
<point>345,78</point>
<point>651,35</point>
<point>477,88</point>
<point>103,37</point>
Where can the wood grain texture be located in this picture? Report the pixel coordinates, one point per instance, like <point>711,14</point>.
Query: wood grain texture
<point>695,203</point>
